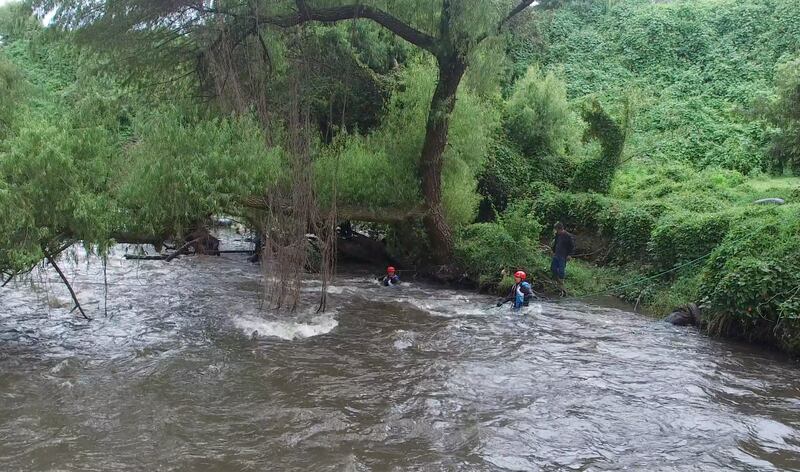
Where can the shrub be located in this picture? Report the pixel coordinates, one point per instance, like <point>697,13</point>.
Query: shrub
<point>751,282</point>
<point>785,114</point>
<point>486,249</point>
<point>631,230</point>
<point>554,169</point>
<point>505,175</point>
<point>578,212</point>
<point>684,236</point>
<point>695,201</point>
<point>521,224</point>
<point>538,188</point>
<point>650,181</point>
<point>539,119</point>
<point>595,173</point>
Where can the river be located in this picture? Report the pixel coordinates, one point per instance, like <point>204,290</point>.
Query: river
<point>172,378</point>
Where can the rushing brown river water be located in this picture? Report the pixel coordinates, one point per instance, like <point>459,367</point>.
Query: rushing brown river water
<point>414,378</point>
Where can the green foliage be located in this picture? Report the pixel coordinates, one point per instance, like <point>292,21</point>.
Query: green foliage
<point>630,229</point>
<point>485,250</point>
<point>472,130</point>
<point>581,212</point>
<point>596,172</point>
<point>509,175</point>
<point>375,47</point>
<point>18,230</point>
<point>89,158</point>
<point>180,171</point>
<point>540,121</point>
<point>366,176</point>
<point>683,236</point>
<point>350,95</point>
<point>505,175</point>
<point>751,282</point>
<point>55,177</point>
<point>679,185</point>
<point>683,290</point>
<point>521,224</point>
<point>583,278</point>
<point>381,169</point>
<point>10,89</point>
<point>698,67</point>
<point>785,115</point>
<point>17,22</point>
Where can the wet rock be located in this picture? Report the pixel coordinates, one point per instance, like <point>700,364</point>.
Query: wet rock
<point>685,315</point>
<point>770,201</point>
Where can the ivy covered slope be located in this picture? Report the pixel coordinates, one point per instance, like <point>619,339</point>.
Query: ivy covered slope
<point>701,74</point>
<point>706,96</point>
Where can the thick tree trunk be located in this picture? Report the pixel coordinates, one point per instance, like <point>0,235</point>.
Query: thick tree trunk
<point>451,70</point>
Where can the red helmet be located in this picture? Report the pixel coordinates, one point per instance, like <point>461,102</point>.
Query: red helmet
<point>520,274</point>
<point>390,269</point>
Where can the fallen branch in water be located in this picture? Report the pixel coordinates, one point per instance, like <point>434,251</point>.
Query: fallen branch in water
<point>139,257</point>
<point>61,249</point>
<point>181,249</point>
<point>52,262</point>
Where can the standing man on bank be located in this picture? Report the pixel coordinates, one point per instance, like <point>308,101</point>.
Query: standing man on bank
<point>563,247</point>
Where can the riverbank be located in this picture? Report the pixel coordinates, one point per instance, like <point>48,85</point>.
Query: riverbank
<point>663,237</point>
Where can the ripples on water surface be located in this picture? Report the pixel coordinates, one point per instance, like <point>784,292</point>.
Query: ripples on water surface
<point>391,379</point>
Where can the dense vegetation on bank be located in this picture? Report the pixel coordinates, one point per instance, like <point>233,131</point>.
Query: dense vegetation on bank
<point>711,93</point>
<point>647,128</point>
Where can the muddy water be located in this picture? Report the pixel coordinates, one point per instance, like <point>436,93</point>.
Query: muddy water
<point>413,378</point>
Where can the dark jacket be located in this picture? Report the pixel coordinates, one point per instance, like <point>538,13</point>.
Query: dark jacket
<point>563,245</point>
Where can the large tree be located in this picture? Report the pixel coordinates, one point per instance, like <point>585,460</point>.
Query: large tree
<point>450,30</point>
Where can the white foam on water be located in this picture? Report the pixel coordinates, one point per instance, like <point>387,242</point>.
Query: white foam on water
<point>339,289</point>
<point>404,339</point>
<point>459,305</point>
<point>60,366</point>
<point>286,329</point>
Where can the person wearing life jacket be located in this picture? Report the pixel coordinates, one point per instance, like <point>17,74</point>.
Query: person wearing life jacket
<point>391,277</point>
<point>521,292</point>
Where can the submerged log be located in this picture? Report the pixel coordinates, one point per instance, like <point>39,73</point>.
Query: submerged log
<point>146,257</point>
